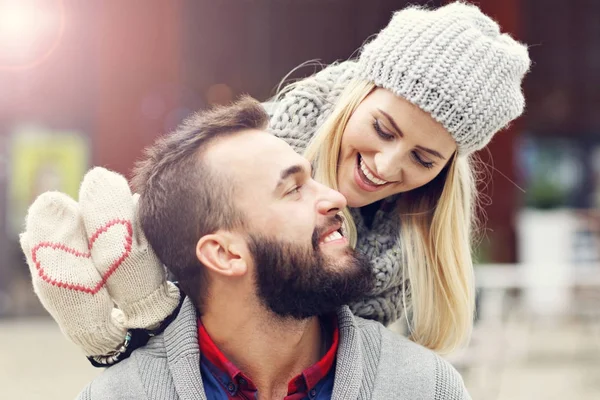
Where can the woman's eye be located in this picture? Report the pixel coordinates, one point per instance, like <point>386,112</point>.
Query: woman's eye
<point>384,135</point>
<point>419,160</point>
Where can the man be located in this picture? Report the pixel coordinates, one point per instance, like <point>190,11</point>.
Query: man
<point>257,247</point>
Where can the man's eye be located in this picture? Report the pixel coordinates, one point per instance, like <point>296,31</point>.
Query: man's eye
<point>295,190</point>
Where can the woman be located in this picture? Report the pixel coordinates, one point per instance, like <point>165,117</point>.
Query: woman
<point>394,132</point>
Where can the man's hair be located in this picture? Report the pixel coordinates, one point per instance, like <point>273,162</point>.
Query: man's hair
<point>182,198</point>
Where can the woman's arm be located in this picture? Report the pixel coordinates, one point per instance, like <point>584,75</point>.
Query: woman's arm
<point>299,109</point>
<point>93,269</point>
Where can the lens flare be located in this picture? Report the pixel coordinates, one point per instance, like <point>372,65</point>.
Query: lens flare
<point>30,31</point>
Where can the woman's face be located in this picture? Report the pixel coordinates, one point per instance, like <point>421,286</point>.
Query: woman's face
<point>390,146</point>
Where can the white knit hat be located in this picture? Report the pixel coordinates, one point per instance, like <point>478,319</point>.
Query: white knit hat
<point>453,63</point>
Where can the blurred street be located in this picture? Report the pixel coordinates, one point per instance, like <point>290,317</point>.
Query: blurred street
<point>37,362</point>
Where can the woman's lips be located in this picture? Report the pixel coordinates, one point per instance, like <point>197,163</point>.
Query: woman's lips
<point>362,181</point>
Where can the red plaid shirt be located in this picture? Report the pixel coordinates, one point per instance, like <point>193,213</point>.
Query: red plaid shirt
<point>223,380</point>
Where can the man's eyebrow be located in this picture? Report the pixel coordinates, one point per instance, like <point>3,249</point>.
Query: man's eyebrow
<point>432,152</point>
<point>286,173</point>
<point>391,121</point>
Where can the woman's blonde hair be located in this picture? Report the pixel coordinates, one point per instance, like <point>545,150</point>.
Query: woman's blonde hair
<point>437,221</point>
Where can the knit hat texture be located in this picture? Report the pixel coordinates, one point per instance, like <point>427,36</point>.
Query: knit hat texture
<point>454,63</point>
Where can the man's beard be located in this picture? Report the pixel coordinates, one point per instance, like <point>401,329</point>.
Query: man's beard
<point>301,281</point>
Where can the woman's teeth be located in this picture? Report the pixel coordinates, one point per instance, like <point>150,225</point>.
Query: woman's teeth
<point>335,235</point>
<point>369,175</point>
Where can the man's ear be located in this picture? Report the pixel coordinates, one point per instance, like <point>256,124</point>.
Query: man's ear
<point>224,253</point>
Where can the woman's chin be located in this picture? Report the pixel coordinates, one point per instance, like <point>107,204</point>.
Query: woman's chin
<point>355,204</point>
<point>354,196</point>
<point>353,199</point>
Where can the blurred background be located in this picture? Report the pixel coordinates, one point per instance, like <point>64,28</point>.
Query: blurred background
<point>92,83</point>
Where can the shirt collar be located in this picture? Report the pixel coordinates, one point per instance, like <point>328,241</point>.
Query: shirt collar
<point>303,382</point>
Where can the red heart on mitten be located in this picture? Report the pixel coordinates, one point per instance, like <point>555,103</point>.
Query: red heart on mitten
<point>127,241</point>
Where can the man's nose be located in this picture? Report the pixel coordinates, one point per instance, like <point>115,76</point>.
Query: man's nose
<point>330,201</point>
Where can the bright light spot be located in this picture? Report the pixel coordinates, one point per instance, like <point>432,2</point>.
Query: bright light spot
<point>29,31</point>
<point>17,19</point>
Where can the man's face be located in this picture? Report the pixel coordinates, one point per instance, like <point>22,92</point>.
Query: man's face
<point>303,265</point>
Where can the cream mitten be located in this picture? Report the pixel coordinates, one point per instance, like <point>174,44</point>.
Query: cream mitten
<point>135,278</point>
<point>64,277</point>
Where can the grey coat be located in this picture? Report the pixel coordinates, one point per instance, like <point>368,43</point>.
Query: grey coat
<point>372,363</point>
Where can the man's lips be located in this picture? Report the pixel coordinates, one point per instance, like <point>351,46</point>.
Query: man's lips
<point>332,231</point>
<point>329,231</point>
